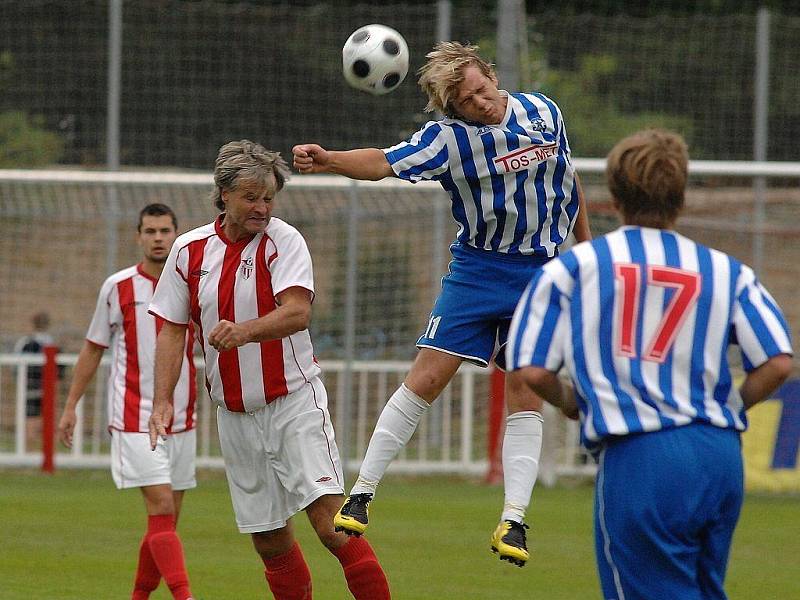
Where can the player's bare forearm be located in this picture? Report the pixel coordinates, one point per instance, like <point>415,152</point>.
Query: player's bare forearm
<point>88,361</point>
<point>361,163</point>
<point>85,368</point>
<point>550,387</point>
<point>581,231</point>
<point>762,381</point>
<point>170,345</point>
<point>292,314</point>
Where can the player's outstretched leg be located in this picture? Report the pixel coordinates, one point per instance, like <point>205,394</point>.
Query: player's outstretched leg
<point>396,424</point>
<point>353,517</point>
<point>509,541</point>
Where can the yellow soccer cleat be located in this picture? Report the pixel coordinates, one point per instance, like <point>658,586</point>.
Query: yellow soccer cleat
<point>353,517</point>
<point>508,540</point>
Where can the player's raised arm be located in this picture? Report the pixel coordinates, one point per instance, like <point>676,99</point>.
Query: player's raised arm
<point>169,357</point>
<point>361,163</point>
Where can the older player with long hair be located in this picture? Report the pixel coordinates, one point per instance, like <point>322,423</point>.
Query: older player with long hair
<point>642,319</point>
<point>246,281</point>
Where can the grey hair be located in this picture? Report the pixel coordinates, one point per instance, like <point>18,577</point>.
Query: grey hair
<point>247,162</point>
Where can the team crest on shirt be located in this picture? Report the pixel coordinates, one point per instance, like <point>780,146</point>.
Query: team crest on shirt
<point>247,267</point>
<point>538,124</point>
<point>522,158</point>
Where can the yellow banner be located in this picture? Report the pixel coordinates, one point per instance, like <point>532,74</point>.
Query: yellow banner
<point>771,442</point>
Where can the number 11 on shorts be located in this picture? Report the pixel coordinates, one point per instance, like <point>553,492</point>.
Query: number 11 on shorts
<point>433,325</point>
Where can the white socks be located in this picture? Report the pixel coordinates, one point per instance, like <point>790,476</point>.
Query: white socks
<point>522,446</point>
<point>395,426</point>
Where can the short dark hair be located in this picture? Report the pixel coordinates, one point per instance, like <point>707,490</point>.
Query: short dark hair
<point>156,210</point>
<point>646,174</point>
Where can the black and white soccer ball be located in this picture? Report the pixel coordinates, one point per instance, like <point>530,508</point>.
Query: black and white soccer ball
<point>375,59</point>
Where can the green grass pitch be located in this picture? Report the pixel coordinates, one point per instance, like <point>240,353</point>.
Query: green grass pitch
<point>73,536</point>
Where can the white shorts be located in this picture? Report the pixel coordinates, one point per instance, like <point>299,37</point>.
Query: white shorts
<point>280,458</point>
<point>133,464</point>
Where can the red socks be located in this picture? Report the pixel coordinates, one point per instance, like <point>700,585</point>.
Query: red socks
<point>147,574</point>
<point>288,575</point>
<point>167,554</point>
<point>363,572</point>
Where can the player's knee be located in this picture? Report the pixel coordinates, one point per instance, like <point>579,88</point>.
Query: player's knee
<point>431,372</point>
<point>519,397</point>
<point>270,544</point>
<point>159,501</point>
<point>427,383</point>
<point>326,534</point>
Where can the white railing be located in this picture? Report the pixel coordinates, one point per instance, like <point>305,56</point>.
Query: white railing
<point>738,168</point>
<point>448,440</point>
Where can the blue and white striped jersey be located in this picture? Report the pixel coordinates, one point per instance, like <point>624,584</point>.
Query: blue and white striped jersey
<point>512,185</point>
<point>642,320</point>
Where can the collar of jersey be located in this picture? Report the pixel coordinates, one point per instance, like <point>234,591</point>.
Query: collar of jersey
<point>238,243</point>
<point>146,275</point>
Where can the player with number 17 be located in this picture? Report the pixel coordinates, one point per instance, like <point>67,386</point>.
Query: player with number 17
<point>642,319</point>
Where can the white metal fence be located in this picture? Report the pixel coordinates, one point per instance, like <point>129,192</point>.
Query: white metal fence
<point>451,439</point>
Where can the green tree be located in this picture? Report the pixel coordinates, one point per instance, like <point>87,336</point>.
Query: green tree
<point>594,120</point>
<point>24,140</point>
<point>589,100</point>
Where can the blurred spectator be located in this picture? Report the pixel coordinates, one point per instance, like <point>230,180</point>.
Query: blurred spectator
<point>34,343</point>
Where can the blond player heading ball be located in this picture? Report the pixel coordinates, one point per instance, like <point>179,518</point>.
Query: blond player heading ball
<point>504,160</point>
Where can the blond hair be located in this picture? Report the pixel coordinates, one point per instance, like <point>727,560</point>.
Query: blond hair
<point>646,174</point>
<point>247,162</point>
<point>440,76</point>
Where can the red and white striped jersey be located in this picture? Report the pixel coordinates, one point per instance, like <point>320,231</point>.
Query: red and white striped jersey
<point>121,321</point>
<point>208,278</point>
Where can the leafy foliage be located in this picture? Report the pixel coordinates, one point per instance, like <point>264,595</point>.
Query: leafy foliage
<point>594,120</point>
<point>24,141</point>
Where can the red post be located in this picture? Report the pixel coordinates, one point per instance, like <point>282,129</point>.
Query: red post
<point>49,379</point>
<point>497,407</point>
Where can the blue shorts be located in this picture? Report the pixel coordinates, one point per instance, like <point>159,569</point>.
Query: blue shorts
<point>666,505</point>
<point>474,309</point>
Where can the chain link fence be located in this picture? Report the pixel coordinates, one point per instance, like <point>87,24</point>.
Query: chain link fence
<point>195,74</point>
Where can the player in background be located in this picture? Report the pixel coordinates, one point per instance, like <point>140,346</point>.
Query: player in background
<point>504,160</point>
<point>34,343</point>
<point>121,322</point>
<point>246,281</point>
<point>642,319</point>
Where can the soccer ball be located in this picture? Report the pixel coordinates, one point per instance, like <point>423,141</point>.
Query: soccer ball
<point>375,59</point>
